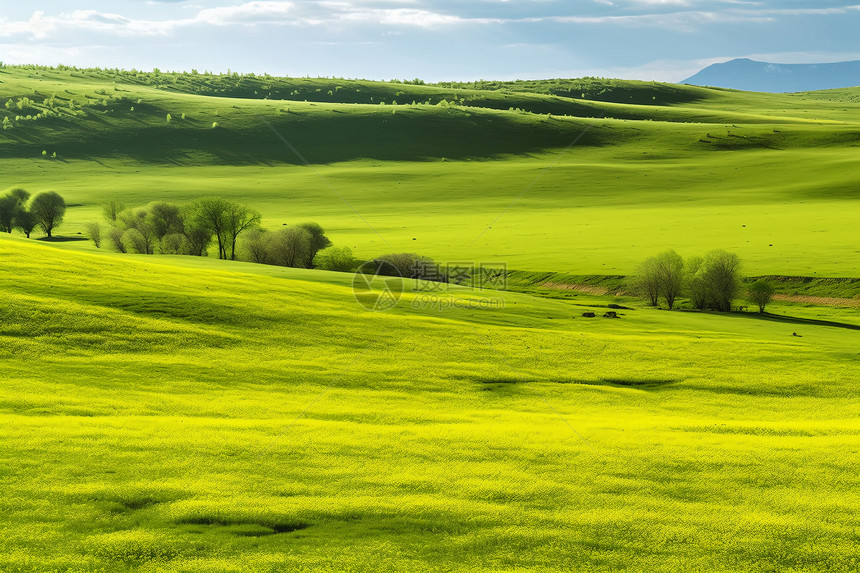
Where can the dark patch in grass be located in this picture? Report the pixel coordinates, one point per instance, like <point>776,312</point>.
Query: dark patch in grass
<point>251,531</point>
<point>638,383</point>
<point>136,504</point>
<point>247,528</point>
<point>289,527</point>
<point>133,501</point>
<point>61,239</point>
<point>492,382</point>
<point>501,380</point>
<point>796,320</point>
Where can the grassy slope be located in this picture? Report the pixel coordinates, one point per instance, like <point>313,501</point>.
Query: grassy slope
<point>771,177</point>
<point>184,414</point>
<point>176,414</point>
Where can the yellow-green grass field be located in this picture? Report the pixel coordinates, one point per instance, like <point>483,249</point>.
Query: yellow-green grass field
<point>175,414</point>
<point>189,414</point>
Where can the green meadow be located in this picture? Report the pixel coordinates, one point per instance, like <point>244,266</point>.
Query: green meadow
<point>584,186</point>
<point>170,413</point>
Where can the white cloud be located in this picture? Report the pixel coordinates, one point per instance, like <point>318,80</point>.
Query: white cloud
<point>272,12</point>
<point>247,13</point>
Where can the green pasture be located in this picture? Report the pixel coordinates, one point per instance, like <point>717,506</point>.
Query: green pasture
<point>175,414</point>
<point>771,177</point>
<point>191,414</point>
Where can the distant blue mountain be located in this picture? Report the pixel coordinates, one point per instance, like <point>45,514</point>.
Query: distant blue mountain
<point>749,75</point>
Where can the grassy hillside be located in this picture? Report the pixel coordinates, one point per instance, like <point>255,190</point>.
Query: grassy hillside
<point>851,95</point>
<point>581,190</point>
<point>174,414</point>
<point>189,414</point>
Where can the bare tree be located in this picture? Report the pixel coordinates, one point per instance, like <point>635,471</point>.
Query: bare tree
<point>173,244</point>
<point>136,242</point>
<point>210,213</point>
<point>25,221</point>
<point>238,219</point>
<point>49,209</point>
<point>289,247</point>
<point>166,218</point>
<point>647,281</point>
<point>111,210</point>
<point>318,241</point>
<point>760,293</point>
<point>11,206</point>
<point>94,230</point>
<point>721,272</point>
<point>695,282</point>
<point>141,221</point>
<point>255,246</point>
<point>8,209</point>
<point>670,275</point>
<point>115,236</point>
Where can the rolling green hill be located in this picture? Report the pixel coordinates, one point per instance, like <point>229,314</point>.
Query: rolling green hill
<point>555,177</point>
<point>772,177</point>
<point>173,413</point>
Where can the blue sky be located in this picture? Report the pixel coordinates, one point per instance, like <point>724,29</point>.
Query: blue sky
<point>435,40</point>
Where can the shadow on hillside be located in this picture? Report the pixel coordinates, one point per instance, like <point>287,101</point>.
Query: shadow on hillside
<point>61,239</point>
<point>633,382</point>
<point>321,139</point>
<point>796,320</point>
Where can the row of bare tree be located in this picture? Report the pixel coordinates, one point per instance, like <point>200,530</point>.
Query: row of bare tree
<point>711,282</point>
<point>169,229</point>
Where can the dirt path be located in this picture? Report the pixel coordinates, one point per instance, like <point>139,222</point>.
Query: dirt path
<point>818,300</point>
<point>587,289</point>
<point>802,299</point>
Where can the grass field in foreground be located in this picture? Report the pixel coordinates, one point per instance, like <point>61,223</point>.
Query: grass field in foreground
<point>176,414</point>
<point>771,177</point>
